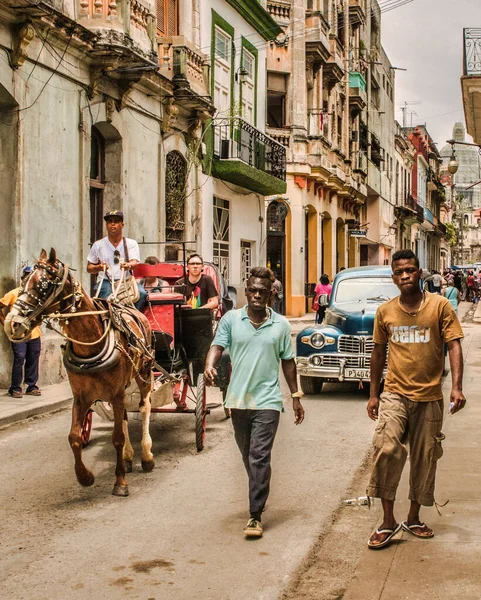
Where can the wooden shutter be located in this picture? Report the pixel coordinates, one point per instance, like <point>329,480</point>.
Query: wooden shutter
<point>172,17</point>
<point>161,17</point>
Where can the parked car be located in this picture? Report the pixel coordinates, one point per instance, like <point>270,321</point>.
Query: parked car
<point>339,349</point>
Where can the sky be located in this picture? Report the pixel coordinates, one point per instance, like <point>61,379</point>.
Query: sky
<point>426,38</point>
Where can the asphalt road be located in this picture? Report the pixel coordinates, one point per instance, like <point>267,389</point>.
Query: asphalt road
<point>179,533</point>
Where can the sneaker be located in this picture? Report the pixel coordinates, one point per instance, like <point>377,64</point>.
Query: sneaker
<point>253,529</point>
<point>15,394</point>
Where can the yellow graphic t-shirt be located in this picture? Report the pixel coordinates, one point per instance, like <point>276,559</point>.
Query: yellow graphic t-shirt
<point>9,300</point>
<point>416,346</point>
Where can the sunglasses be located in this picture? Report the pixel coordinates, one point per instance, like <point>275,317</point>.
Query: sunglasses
<point>116,257</point>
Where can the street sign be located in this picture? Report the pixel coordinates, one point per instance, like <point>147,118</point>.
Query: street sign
<point>358,233</point>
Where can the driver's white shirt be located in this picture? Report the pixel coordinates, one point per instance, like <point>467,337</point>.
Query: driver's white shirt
<point>103,250</point>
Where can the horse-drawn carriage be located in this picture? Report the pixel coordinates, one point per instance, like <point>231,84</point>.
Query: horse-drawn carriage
<point>181,338</point>
<point>122,360</point>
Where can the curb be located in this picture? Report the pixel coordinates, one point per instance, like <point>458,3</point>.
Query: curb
<point>34,411</point>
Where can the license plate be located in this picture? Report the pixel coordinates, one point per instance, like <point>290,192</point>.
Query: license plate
<point>357,373</point>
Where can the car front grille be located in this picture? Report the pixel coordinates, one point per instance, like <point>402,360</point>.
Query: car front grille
<point>326,360</point>
<point>355,344</point>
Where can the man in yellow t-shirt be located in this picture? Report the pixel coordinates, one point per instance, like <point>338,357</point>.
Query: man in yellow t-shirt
<point>416,325</point>
<point>25,354</point>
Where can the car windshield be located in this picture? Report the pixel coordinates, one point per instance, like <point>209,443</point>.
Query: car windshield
<point>366,289</point>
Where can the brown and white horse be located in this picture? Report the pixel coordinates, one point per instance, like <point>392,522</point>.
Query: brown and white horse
<point>52,293</point>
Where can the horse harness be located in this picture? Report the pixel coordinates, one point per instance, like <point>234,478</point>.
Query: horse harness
<point>115,319</point>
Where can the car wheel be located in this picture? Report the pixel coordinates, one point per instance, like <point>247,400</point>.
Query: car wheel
<point>311,385</point>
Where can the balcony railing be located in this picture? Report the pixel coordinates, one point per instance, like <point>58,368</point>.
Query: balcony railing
<point>472,51</point>
<point>237,139</point>
<point>178,60</point>
<point>280,11</point>
<point>281,136</point>
<point>135,17</point>
<point>413,205</point>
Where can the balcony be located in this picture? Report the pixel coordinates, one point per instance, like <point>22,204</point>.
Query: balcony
<point>471,82</point>
<point>357,12</point>
<point>410,211</point>
<point>188,70</point>
<point>281,136</point>
<point>318,46</point>
<point>334,69</point>
<point>280,11</point>
<point>248,158</point>
<point>360,163</point>
<point>357,92</point>
<point>125,31</point>
<point>317,124</point>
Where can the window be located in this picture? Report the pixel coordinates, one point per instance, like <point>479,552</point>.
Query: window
<point>246,260</point>
<point>222,45</point>
<point>167,14</point>
<point>276,99</point>
<point>221,236</point>
<point>248,62</point>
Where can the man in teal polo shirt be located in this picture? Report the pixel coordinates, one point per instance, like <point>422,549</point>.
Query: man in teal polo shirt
<point>258,339</point>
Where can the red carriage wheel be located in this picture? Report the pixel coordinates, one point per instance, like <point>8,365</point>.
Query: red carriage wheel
<point>86,429</point>
<point>200,413</point>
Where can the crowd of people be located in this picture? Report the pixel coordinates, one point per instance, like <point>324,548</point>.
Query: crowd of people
<point>456,285</point>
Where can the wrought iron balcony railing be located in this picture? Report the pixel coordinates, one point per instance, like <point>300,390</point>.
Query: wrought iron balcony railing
<point>237,139</point>
<point>472,51</point>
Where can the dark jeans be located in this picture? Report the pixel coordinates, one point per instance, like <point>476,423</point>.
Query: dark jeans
<point>106,290</point>
<point>26,353</point>
<point>321,311</point>
<point>254,432</point>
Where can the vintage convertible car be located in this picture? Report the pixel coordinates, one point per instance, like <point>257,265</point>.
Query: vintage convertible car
<point>340,348</point>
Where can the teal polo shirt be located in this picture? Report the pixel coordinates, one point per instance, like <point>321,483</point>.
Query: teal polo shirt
<point>255,355</point>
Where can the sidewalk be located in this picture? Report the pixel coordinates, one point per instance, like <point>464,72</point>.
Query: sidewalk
<point>447,566</point>
<point>54,397</point>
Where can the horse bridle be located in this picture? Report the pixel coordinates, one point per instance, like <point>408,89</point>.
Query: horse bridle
<point>45,298</point>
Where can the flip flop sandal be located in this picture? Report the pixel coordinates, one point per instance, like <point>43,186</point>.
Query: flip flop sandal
<point>388,540</point>
<point>34,393</point>
<point>415,528</point>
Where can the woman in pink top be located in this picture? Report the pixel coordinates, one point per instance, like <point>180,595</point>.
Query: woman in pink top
<point>322,289</point>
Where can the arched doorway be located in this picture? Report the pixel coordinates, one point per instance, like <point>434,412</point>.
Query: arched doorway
<point>276,242</point>
<point>340,245</point>
<point>326,261</point>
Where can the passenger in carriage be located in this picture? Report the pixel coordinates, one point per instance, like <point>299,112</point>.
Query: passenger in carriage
<point>200,289</point>
<point>153,284</point>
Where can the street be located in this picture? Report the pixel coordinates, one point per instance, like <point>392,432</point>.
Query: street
<point>179,533</point>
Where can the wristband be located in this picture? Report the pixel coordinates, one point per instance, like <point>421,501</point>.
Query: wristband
<point>297,395</point>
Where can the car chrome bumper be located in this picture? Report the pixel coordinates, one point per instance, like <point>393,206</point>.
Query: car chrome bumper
<point>307,369</point>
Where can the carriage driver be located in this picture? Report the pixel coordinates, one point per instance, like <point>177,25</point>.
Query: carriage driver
<point>110,252</point>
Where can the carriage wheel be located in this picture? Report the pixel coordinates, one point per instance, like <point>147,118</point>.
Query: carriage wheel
<point>86,429</point>
<point>200,413</point>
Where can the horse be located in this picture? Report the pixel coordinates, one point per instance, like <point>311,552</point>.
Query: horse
<point>106,350</point>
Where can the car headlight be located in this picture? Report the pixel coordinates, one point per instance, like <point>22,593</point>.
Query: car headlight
<point>318,340</point>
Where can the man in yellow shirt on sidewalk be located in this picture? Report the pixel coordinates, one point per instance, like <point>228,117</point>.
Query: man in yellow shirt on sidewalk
<point>25,354</point>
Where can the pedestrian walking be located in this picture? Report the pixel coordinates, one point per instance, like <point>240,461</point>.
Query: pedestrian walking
<point>26,354</point>
<point>277,294</point>
<point>452,295</point>
<point>115,253</point>
<point>322,293</point>
<point>415,326</point>
<point>437,282</point>
<point>258,339</point>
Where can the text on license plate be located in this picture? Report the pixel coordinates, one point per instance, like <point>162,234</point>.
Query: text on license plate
<point>357,373</point>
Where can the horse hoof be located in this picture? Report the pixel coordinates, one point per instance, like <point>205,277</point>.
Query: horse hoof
<point>86,479</point>
<point>128,466</point>
<point>148,466</point>
<point>120,490</point>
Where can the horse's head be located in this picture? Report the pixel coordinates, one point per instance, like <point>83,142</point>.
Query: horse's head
<point>39,291</point>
